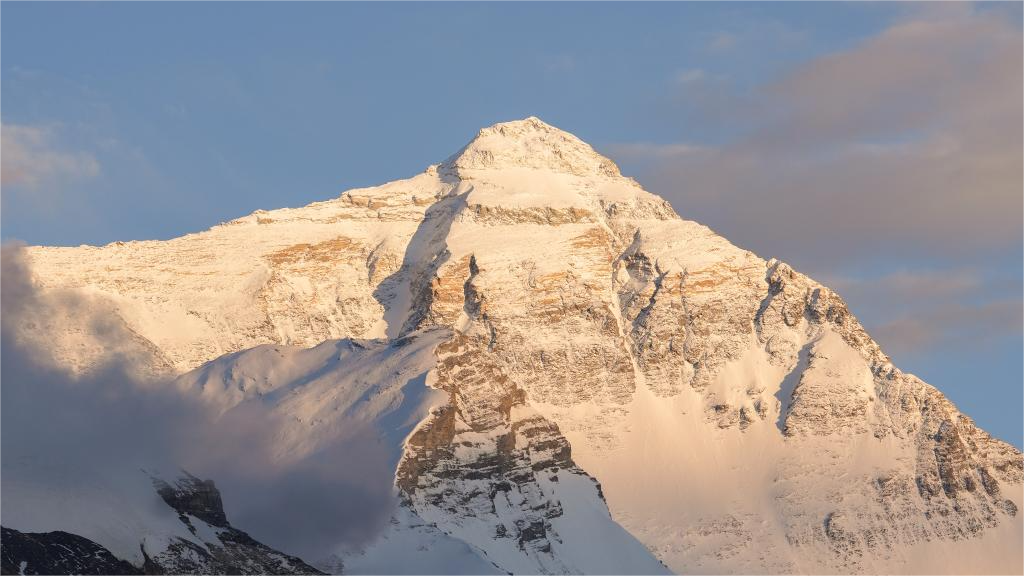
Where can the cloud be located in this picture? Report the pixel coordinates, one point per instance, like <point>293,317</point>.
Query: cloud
<point>64,432</point>
<point>906,147</point>
<point>908,144</point>
<point>31,158</point>
<point>956,325</point>
<point>909,286</point>
<point>87,423</point>
<point>913,311</point>
<point>634,151</point>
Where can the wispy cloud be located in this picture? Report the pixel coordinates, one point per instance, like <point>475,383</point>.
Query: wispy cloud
<point>908,143</point>
<point>909,286</point>
<point>32,157</point>
<point>904,148</point>
<point>64,432</point>
<point>640,151</point>
<point>955,324</point>
<point>911,311</point>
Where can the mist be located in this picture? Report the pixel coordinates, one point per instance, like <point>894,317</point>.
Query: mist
<point>64,430</point>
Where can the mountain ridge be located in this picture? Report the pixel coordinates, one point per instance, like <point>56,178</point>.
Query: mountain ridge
<point>594,334</point>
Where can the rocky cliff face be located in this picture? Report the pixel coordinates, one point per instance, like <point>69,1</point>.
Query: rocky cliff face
<point>57,553</point>
<point>731,411</point>
<point>229,551</point>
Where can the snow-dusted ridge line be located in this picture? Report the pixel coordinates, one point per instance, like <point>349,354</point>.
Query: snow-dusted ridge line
<point>737,415</point>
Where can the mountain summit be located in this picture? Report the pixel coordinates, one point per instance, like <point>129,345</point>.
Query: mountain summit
<point>563,374</point>
<point>530,143</point>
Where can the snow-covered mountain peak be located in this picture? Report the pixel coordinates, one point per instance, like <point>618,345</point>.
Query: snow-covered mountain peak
<point>530,143</point>
<point>550,355</point>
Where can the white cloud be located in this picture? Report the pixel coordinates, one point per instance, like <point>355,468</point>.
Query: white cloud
<point>31,158</point>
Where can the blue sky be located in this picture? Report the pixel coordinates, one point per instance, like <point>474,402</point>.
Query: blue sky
<point>875,146</point>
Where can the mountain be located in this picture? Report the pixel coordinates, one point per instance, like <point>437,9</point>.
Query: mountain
<point>576,379</point>
<point>198,540</point>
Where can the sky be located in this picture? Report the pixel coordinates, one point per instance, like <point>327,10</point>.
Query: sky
<point>874,146</point>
